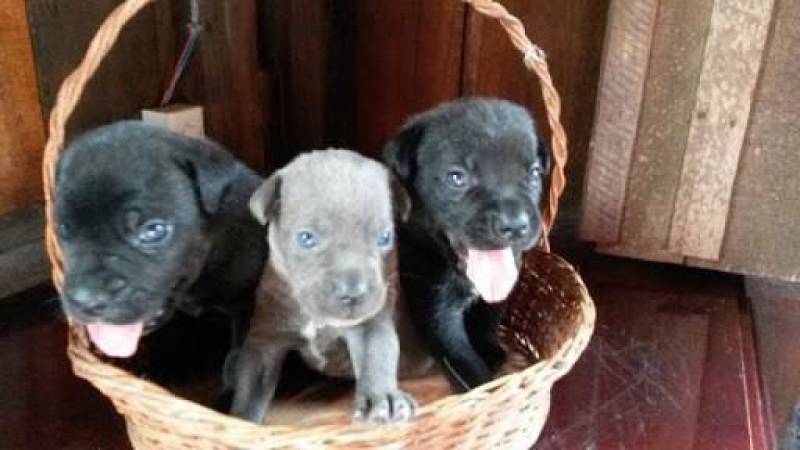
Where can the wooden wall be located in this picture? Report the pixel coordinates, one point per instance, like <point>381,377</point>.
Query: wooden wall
<point>277,77</point>
<point>694,152</point>
<point>224,75</point>
<point>21,123</point>
<point>349,72</point>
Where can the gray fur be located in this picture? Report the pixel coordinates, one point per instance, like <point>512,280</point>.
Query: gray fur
<point>345,200</point>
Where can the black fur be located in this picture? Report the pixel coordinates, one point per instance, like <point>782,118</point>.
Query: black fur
<point>112,181</point>
<point>494,146</point>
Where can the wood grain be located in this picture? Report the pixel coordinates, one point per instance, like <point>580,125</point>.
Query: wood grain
<point>725,90</point>
<point>665,369</point>
<point>21,121</point>
<point>409,58</point>
<point>573,42</point>
<point>348,73</point>
<point>619,103</point>
<point>227,78</point>
<point>776,313</point>
<point>761,232</point>
<point>128,80</point>
<point>675,63</point>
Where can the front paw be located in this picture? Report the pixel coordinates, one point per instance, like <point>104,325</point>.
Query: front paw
<point>383,407</point>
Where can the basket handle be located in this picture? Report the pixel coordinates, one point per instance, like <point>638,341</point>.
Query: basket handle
<point>73,86</point>
<point>535,60</point>
<point>68,96</point>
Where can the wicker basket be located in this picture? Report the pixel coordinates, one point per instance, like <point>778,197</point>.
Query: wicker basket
<point>550,321</point>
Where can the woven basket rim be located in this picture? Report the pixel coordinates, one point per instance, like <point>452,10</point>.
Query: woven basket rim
<point>141,394</point>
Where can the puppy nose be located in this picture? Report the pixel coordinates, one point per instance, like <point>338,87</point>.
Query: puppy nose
<point>512,225</point>
<point>115,284</point>
<point>90,300</point>
<point>350,288</point>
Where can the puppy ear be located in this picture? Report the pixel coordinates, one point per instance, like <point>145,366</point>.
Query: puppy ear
<point>401,202</point>
<point>401,152</point>
<point>544,154</point>
<point>212,171</point>
<point>265,200</point>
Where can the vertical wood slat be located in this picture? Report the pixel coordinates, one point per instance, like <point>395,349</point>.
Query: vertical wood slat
<point>232,83</point>
<point>21,121</point>
<point>675,64</point>
<point>722,108</point>
<point>761,231</point>
<point>408,58</point>
<point>625,66</point>
<point>128,80</point>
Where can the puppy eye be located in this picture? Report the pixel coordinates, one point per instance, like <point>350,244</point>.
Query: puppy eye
<point>154,232</point>
<point>385,240</point>
<point>535,170</point>
<point>63,231</point>
<point>457,178</point>
<point>306,239</point>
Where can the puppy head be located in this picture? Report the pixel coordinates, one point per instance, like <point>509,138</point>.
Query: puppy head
<point>134,207</point>
<point>331,234</point>
<point>477,172</point>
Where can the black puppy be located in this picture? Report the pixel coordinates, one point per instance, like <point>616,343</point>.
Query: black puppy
<point>150,221</point>
<point>476,171</point>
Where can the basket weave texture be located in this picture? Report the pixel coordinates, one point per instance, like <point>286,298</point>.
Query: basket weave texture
<point>550,321</point>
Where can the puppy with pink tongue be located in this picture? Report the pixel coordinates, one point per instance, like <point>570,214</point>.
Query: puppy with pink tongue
<point>151,222</point>
<point>476,171</point>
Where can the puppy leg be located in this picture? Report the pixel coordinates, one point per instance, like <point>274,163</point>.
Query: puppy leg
<point>256,377</point>
<point>375,351</point>
<point>482,322</point>
<point>449,339</point>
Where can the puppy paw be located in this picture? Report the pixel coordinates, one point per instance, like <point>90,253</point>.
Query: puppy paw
<point>384,407</point>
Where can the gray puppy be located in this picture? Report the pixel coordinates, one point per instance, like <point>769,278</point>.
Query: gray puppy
<point>476,171</point>
<point>328,289</point>
<point>150,221</point>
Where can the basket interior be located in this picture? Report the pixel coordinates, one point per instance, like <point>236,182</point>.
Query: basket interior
<point>547,309</point>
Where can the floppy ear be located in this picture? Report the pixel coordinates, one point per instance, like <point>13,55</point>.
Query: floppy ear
<point>401,202</point>
<point>212,172</point>
<point>546,159</point>
<point>401,152</point>
<point>544,154</point>
<point>265,201</point>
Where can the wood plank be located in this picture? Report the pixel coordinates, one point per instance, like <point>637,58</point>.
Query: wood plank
<point>776,313</point>
<point>349,73</point>
<point>727,82</point>
<point>409,58</point>
<point>619,103</point>
<point>21,121</point>
<point>129,79</point>
<point>573,42</point>
<point>724,418</point>
<point>226,78</point>
<point>761,233</point>
<point>677,57</point>
<point>758,408</point>
<point>23,263</point>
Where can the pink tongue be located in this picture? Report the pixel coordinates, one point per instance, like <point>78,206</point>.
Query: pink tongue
<point>119,341</point>
<point>492,272</point>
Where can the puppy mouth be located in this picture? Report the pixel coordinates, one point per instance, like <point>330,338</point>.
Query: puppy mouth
<point>118,335</point>
<point>490,267</point>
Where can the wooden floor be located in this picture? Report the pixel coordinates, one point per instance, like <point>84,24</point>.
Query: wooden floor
<point>672,366</point>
